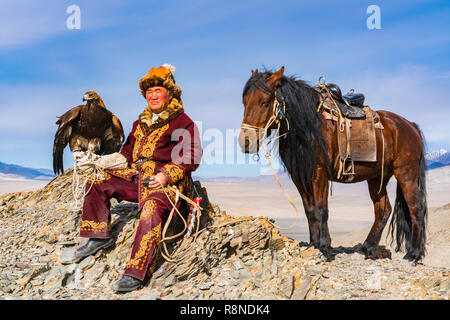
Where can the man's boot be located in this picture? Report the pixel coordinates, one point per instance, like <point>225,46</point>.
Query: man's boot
<point>92,246</point>
<point>126,284</point>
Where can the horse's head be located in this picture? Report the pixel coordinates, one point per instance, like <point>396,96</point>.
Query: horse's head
<point>259,108</point>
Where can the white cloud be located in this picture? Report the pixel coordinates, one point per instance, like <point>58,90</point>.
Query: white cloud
<point>416,92</point>
<point>25,22</point>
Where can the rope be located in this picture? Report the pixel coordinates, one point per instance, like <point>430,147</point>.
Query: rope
<point>342,126</point>
<point>276,111</point>
<point>178,195</point>
<point>284,191</point>
<point>382,163</point>
<point>273,119</point>
<point>166,254</point>
<point>173,257</point>
<point>78,189</point>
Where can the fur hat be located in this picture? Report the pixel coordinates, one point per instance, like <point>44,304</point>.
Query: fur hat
<point>162,76</point>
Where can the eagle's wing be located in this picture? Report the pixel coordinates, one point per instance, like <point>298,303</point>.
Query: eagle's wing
<point>62,137</point>
<point>113,137</point>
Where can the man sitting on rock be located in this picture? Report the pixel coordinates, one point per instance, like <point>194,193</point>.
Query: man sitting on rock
<point>164,146</point>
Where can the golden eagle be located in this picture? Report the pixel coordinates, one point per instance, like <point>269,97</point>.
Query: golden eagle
<point>90,127</point>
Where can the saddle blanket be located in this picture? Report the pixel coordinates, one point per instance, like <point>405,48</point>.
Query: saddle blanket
<point>357,141</point>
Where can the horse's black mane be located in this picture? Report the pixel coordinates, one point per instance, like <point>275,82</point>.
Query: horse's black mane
<point>300,148</point>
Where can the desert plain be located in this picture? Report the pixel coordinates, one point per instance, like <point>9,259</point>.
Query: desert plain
<point>350,208</point>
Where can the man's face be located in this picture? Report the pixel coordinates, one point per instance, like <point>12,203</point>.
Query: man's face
<point>158,98</point>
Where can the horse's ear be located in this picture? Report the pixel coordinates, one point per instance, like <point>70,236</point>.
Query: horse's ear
<point>254,72</point>
<point>274,80</point>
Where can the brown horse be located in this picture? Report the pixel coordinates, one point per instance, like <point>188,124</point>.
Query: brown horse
<point>308,145</point>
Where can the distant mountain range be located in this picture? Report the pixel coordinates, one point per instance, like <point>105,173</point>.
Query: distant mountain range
<point>437,159</point>
<point>434,159</point>
<point>14,172</point>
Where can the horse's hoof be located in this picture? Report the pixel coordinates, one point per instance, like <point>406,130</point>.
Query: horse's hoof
<point>364,249</point>
<point>413,257</point>
<point>372,253</point>
<point>326,251</point>
<point>408,256</point>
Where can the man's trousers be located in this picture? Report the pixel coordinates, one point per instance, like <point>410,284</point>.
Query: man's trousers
<point>96,220</point>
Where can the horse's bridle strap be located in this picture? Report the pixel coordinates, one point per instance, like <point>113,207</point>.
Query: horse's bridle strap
<point>276,110</point>
<point>249,126</point>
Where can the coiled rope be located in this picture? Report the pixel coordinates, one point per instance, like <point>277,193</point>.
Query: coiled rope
<point>278,111</point>
<point>79,189</point>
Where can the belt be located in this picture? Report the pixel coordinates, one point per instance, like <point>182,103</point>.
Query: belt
<point>142,160</point>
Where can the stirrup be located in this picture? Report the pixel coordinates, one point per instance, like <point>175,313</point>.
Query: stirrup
<point>350,170</point>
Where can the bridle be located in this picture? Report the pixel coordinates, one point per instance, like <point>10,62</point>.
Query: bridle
<point>278,114</point>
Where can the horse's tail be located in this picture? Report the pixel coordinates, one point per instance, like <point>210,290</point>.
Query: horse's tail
<point>400,221</point>
<point>401,218</point>
<point>423,201</point>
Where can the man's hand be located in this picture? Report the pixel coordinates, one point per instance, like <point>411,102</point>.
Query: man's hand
<point>154,184</point>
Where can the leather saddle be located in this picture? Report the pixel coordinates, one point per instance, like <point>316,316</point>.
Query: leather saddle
<point>350,104</point>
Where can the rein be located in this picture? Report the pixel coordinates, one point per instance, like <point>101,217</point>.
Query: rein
<point>173,257</point>
<point>278,113</point>
<point>165,253</point>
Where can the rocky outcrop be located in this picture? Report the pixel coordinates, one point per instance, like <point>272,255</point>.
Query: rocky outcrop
<point>230,258</point>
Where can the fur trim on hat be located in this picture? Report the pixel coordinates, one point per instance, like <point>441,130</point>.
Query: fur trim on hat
<point>161,76</point>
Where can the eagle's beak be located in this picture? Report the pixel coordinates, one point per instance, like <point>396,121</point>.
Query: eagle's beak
<point>86,97</point>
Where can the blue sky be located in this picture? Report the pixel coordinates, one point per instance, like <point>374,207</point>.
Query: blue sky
<point>45,68</point>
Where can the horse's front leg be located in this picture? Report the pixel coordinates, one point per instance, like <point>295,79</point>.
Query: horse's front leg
<point>316,210</point>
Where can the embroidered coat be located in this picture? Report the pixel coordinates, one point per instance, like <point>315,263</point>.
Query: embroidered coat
<point>171,146</point>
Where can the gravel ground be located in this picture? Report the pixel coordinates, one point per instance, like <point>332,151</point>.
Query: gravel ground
<point>232,258</point>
